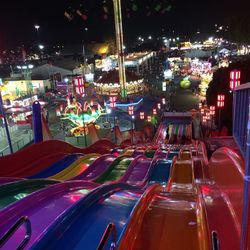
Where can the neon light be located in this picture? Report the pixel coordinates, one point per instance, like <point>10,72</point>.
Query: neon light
<point>80,116</point>
<point>234,79</point>
<point>131,110</point>
<point>142,116</point>
<point>127,105</point>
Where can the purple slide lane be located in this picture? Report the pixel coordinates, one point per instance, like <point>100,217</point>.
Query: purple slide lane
<point>98,167</point>
<point>42,208</point>
<point>161,154</point>
<point>137,171</point>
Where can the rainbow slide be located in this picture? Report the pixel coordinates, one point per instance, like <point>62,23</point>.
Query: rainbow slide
<point>152,196</point>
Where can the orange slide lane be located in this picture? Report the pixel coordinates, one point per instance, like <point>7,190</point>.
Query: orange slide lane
<point>173,218</point>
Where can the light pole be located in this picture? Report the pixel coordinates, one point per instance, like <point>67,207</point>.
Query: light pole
<point>5,123</point>
<point>84,132</point>
<point>37,27</point>
<point>120,46</point>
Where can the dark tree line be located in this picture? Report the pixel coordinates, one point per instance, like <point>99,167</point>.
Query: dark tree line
<point>239,29</point>
<point>220,85</point>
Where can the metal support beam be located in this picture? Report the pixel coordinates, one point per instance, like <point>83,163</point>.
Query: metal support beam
<point>120,46</point>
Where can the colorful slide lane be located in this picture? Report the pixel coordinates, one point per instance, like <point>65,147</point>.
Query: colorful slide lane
<point>38,157</point>
<point>83,225</point>
<point>75,169</point>
<point>223,198</point>
<point>97,168</point>
<point>169,217</point>
<point>137,171</point>
<point>42,208</point>
<point>57,166</point>
<point>12,192</point>
<point>116,170</point>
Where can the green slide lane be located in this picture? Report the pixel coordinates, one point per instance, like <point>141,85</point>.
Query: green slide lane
<point>13,192</point>
<point>149,153</point>
<point>116,170</point>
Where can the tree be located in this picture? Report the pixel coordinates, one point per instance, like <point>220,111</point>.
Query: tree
<point>220,85</point>
<point>239,29</point>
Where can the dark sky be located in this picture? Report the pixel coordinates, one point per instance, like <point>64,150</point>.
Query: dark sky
<point>17,19</point>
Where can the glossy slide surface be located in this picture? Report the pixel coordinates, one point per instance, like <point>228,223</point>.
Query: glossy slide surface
<point>160,172</point>
<point>76,168</point>
<point>42,208</point>
<point>137,171</point>
<point>28,161</point>
<point>171,222</point>
<point>57,166</point>
<point>223,196</point>
<point>116,170</point>
<point>83,226</point>
<point>12,192</point>
<point>169,218</point>
<point>98,167</point>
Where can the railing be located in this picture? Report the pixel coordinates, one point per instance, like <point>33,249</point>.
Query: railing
<point>110,229</point>
<point>241,133</point>
<point>17,145</point>
<point>215,241</point>
<point>241,116</point>
<point>22,221</point>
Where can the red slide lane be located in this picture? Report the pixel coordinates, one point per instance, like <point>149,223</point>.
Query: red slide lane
<point>223,197</point>
<point>39,156</point>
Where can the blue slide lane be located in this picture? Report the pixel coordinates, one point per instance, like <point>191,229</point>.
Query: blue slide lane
<point>83,225</point>
<point>57,166</point>
<point>172,154</point>
<point>160,172</point>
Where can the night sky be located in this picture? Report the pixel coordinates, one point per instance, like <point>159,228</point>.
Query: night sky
<point>17,19</point>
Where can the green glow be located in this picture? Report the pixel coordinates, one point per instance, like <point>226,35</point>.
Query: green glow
<point>20,196</point>
<point>80,119</point>
<point>84,191</point>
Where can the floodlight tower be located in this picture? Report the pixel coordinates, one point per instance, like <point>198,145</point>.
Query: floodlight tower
<point>120,46</point>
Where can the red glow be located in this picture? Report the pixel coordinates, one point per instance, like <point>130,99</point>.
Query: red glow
<point>212,110</point>
<point>116,154</point>
<point>142,116</point>
<point>79,85</point>
<point>234,79</point>
<point>220,101</point>
<point>112,100</point>
<point>131,110</point>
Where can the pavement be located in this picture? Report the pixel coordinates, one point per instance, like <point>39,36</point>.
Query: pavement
<point>184,100</point>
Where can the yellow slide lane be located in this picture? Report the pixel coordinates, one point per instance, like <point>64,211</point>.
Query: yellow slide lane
<point>75,168</point>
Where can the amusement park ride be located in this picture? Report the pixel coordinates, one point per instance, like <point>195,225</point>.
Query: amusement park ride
<point>82,115</point>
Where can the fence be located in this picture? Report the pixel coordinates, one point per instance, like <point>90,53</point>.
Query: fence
<point>241,116</point>
<point>18,144</point>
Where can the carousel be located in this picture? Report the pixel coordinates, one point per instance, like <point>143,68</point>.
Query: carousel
<point>109,84</point>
